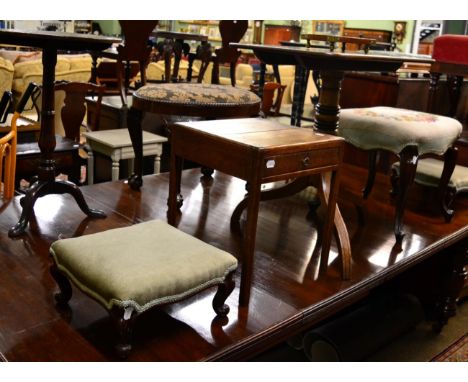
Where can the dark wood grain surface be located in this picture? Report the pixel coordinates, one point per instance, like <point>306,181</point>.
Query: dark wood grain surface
<point>287,296</point>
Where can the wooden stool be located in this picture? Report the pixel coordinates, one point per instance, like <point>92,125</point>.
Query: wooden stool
<point>133,269</point>
<point>116,144</point>
<point>204,101</point>
<point>408,134</point>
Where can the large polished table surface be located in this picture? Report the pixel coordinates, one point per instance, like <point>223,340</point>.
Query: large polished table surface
<point>288,294</point>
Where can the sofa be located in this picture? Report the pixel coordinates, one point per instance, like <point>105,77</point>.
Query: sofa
<point>27,67</point>
<point>6,75</point>
<point>68,67</point>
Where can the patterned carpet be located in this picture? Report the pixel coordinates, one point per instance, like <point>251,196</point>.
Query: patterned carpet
<point>456,352</point>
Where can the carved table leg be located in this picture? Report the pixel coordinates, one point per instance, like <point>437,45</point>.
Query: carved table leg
<point>175,199</point>
<point>248,243</point>
<point>446,307</point>
<point>300,87</point>
<point>325,186</point>
<point>42,188</point>
<point>328,107</point>
<point>134,117</point>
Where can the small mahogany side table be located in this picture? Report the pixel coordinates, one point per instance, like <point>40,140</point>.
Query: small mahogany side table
<point>258,151</point>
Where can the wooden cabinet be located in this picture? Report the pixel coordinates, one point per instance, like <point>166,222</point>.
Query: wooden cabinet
<point>274,34</point>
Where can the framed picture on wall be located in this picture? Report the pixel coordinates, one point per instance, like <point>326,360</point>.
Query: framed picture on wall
<point>333,27</point>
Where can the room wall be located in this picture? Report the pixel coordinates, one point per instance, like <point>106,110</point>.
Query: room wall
<point>109,27</point>
<point>112,27</point>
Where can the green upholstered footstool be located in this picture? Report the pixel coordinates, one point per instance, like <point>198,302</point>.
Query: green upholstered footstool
<point>130,270</point>
<point>429,172</point>
<point>408,134</point>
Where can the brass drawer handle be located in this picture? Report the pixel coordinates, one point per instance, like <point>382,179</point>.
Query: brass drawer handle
<point>306,162</point>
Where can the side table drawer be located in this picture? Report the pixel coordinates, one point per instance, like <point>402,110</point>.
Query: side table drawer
<point>299,162</point>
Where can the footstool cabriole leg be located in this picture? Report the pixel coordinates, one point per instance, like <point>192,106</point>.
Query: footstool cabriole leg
<point>223,292</point>
<point>408,162</point>
<point>450,159</point>
<point>63,297</point>
<point>123,319</point>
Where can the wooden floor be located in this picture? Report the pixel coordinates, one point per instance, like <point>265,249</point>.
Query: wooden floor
<point>288,295</point>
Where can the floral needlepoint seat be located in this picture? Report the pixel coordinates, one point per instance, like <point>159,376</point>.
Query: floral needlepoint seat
<point>128,272</point>
<point>408,134</point>
<point>186,100</point>
<point>196,99</point>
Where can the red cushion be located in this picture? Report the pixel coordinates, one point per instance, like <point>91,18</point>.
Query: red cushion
<point>451,49</point>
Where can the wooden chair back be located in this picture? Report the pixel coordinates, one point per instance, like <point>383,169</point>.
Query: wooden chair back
<point>135,48</point>
<point>74,109</point>
<point>231,31</point>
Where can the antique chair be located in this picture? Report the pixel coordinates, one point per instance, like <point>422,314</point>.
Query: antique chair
<point>231,31</point>
<point>70,106</point>
<point>106,75</point>
<point>408,134</point>
<point>124,271</point>
<point>270,104</point>
<point>135,49</point>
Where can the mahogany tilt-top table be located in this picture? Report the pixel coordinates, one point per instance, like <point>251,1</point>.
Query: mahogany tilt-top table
<point>50,43</point>
<point>258,151</point>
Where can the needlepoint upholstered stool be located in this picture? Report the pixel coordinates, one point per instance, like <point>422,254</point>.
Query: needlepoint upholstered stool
<point>128,273</point>
<point>203,101</point>
<point>407,133</point>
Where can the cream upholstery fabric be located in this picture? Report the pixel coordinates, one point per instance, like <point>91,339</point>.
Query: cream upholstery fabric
<point>6,75</point>
<point>393,129</point>
<point>141,266</point>
<point>244,76</point>
<point>156,70</point>
<point>74,67</point>
<point>287,74</point>
<point>429,172</point>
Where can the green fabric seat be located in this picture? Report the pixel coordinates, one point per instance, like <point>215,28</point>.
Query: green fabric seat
<point>429,172</point>
<point>393,129</point>
<point>141,266</point>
